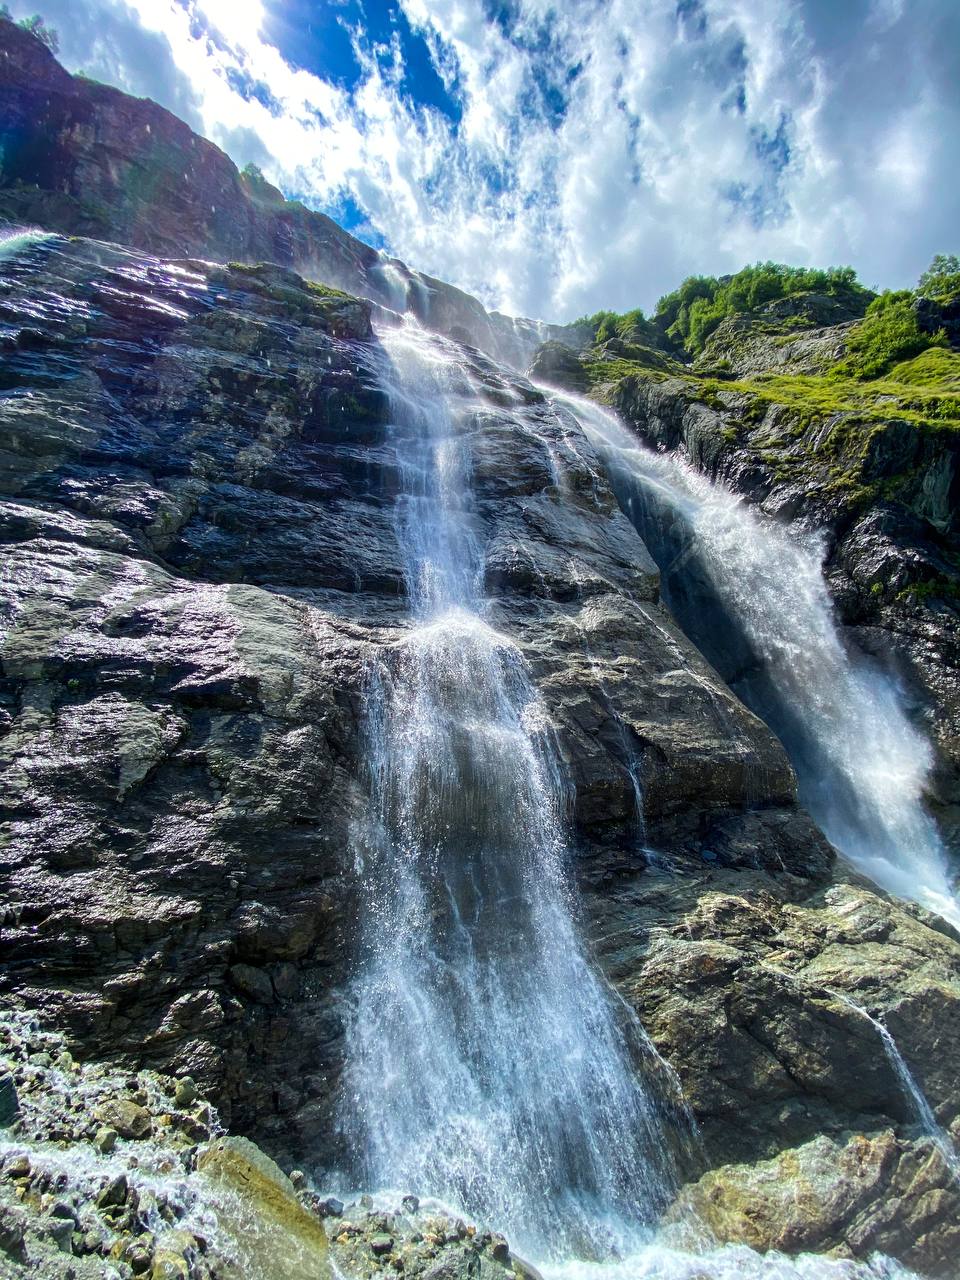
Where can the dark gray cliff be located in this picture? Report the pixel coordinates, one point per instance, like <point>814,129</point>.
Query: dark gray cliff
<point>200,559</point>
<point>84,158</point>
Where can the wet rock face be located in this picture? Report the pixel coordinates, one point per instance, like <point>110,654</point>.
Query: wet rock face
<point>83,158</point>
<point>202,560</point>
<point>180,744</point>
<point>853,1199</point>
<point>766,995</point>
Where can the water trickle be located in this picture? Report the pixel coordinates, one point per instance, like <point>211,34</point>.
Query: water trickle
<point>915,1095</point>
<point>487,1063</point>
<point>752,595</point>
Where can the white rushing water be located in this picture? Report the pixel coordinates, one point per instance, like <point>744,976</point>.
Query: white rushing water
<point>14,240</point>
<point>862,766</point>
<point>921,1108</point>
<point>488,1065</point>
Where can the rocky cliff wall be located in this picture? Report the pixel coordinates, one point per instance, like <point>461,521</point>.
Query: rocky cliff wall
<point>85,159</point>
<point>201,560</point>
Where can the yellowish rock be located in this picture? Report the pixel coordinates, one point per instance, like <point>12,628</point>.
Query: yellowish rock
<point>264,1233</point>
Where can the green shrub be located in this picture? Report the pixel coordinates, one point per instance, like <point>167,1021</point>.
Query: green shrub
<point>691,313</point>
<point>37,27</point>
<point>887,334</point>
<point>941,280</point>
<point>630,326</point>
<point>687,316</point>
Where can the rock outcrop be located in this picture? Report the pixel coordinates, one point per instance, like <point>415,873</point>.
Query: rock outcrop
<point>202,561</point>
<point>85,159</point>
<point>846,1198</point>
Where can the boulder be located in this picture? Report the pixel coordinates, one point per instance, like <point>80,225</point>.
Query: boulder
<point>127,1118</point>
<point>851,1197</point>
<point>258,1208</point>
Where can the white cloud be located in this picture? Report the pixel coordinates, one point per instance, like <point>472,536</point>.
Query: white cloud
<point>606,148</point>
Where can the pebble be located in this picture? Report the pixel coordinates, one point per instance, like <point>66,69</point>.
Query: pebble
<point>12,1229</point>
<point>114,1193</point>
<point>9,1102</point>
<point>185,1093</point>
<point>60,1230</point>
<point>63,1209</point>
<point>130,1119</point>
<point>500,1250</point>
<point>139,1260</point>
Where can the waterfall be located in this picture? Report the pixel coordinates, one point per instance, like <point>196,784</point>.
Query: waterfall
<point>918,1099</point>
<point>752,596</point>
<point>13,241</point>
<point>487,1063</point>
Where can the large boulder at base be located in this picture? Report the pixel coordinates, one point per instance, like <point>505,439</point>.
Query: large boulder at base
<point>274,1236</point>
<point>850,1198</point>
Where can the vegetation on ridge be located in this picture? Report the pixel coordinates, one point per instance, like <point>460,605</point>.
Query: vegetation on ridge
<point>691,313</point>
<point>37,27</point>
<point>685,318</point>
<point>888,333</point>
<point>845,392</point>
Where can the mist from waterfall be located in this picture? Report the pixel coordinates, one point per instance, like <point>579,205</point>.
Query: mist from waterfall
<point>752,596</point>
<point>487,1063</point>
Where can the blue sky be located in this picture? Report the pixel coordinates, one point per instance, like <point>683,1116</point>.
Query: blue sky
<point>559,156</point>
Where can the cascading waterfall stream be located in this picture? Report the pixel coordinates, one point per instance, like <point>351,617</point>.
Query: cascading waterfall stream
<point>487,1064</point>
<point>917,1098</point>
<point>862,766</point>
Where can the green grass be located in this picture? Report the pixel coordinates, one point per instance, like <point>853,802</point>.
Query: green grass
<point>925,391</point>
<point>328,291</point>
<point>936,368</point>
<point>600,372</point>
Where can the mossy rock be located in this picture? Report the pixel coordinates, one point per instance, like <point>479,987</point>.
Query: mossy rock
<point>269,1235</point>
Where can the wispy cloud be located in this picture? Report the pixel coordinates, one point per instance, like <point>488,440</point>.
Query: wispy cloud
<point>600,149</point>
